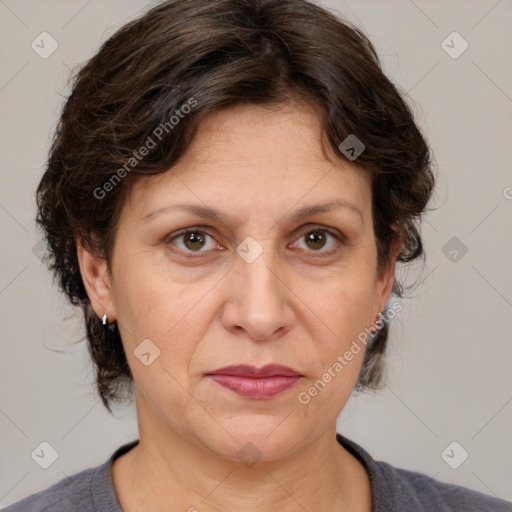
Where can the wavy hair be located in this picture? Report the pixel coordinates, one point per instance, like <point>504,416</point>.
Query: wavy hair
<point>221,53</point>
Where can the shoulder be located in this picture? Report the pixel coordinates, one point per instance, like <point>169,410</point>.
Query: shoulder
<point>419,492</point>
<point>86,491</point>
<point>71,493</point>
<point>396,489</point>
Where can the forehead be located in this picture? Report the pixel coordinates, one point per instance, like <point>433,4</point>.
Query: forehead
<point>270,158</point>
<point>244,134</point>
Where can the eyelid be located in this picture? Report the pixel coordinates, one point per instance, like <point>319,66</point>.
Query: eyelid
<point>320,227</point>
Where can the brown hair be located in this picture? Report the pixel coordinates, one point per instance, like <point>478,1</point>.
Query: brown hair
<point>219,53</point>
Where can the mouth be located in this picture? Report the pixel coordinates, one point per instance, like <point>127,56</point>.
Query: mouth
<point>256,383</point>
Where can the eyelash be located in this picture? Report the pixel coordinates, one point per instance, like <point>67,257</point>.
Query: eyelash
<point>199,229</point>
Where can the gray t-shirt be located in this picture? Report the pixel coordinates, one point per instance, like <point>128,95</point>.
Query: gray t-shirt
<point>393,489</point>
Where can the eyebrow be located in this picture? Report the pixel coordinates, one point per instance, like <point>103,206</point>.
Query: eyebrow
<point>206,212</point>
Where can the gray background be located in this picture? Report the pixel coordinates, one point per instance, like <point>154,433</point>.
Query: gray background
<point>450,356</point>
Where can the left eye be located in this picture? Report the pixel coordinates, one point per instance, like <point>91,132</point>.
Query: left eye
<point>316,240</point>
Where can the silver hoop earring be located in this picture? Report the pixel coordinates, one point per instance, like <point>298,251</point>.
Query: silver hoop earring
<point>105,319</point>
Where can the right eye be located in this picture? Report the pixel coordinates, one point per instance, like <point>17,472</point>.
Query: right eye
<point>193,240</point>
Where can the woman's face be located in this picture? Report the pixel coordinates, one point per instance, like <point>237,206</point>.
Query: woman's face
<point>254,287</point>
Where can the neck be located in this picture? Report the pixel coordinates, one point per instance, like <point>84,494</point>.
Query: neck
<point>162,474</point>
<point>173,469</point>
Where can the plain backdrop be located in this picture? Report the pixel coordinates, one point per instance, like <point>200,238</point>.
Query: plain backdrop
<point>450,354</point>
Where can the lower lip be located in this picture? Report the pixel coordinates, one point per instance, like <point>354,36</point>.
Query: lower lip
<point>249,387</point>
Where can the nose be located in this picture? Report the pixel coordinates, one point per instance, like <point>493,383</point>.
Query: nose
<point>258,298</point>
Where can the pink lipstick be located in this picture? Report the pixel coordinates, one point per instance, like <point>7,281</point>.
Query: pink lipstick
<point>257,383</point>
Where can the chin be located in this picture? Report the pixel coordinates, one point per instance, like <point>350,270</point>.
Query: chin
<point>254,437</point>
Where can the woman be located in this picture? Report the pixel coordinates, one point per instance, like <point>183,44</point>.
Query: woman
<point>230,187</point>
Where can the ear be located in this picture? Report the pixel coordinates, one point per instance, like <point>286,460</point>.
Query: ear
<point>384,281</point>
<point>97,281</point>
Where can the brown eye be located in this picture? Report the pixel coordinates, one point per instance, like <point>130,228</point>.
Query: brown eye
<point>193,240</point>
<point>318,239</point>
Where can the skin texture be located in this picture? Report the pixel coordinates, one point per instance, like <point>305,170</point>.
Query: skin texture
<point>205,307</point>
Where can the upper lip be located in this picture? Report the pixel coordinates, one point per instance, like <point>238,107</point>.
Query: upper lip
<point>269,370</point>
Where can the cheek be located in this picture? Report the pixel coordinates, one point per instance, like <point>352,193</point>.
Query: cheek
<point>153,306</point>
<point>159,340</point>
<point>336,357</point>
<point>343,304</point>
<point>342,308</point>
<point>351,314</point>
<point>142,295</point>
